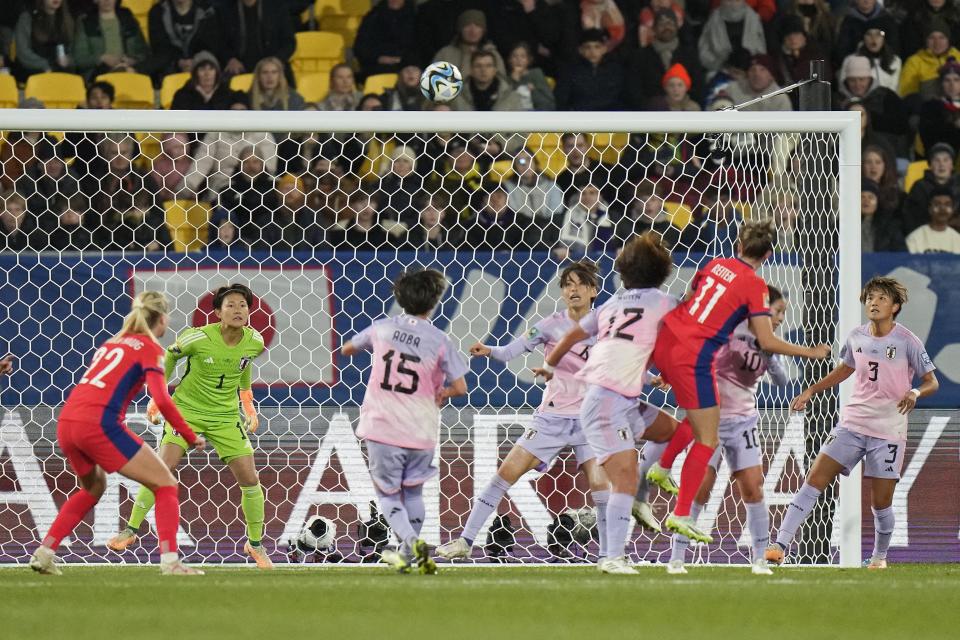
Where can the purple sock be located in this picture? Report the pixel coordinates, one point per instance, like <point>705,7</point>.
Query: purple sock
<point>650,454</point>
<point>398,518</point>
<point>601,499</point>
<point>618,523</point>
<point>416,511</point>
<point>883,523</point>
<point>758,522</point>
<point>679,543</point>
<point>485,504</point>
<point>796,513</point>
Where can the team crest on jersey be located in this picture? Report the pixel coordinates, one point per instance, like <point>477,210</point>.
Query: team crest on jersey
<point>530,434</point>
<point>244,362</point>
<point>624,435</point>
<point>891,353</point>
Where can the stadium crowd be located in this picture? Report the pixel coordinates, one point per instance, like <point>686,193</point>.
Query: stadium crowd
<point>894,63</point>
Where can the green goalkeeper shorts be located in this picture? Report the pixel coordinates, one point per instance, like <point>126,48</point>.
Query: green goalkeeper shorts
<point>227,437</point>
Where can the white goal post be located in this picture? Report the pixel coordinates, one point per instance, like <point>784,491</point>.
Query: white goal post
<point>308,463</point>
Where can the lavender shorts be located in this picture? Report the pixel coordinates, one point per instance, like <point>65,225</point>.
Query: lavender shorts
<point>881,458</point>
<point>612,422</point>
<point>739,444</point>
<point>393,468</point>
<point>550,434</point>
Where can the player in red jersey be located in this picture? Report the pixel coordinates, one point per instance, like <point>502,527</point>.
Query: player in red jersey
<point>723,294</point>
<point>92,434</point>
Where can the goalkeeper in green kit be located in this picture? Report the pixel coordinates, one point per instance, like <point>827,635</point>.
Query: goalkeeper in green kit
<point>219,358</point>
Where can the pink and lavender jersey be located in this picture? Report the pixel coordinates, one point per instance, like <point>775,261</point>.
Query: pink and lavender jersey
<point>412,360</point>
<point>626,327</point>
<point>885,368</point>
<point>740,365</point>
<point>564,391</point>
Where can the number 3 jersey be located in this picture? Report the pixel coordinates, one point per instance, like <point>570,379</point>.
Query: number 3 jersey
<point>626,327</point>
<point>884,371</point>
<point>412,360</point>
<point>564,392</point>
<point>740,366</point>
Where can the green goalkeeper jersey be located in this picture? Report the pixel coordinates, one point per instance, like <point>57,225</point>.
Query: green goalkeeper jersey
<point>215,371</point>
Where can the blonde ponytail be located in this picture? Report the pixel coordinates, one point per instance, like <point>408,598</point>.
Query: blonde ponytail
<point>144,313</point>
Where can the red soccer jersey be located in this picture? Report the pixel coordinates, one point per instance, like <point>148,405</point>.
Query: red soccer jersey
<point>725,292</point>
<point>116,374</point>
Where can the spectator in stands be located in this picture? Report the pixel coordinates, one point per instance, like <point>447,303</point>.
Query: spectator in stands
<point>676,85</point>
<point>82,145</point>
<point>878,165</point>
<point>405,95</point>
<point>250,198</point>
<point>793,54</point>
<point>539,23</point>
<point>343,94</point>
<point>940,117</point>
<point>533,194</point>
<point>363,231</point>
<point>916,208</point>
<point>222,231</point>
<point>713,229</point>
<point>818,23</point>
<point>207,89</point>
<point>17,155</point>
<point>64,226</point>
<point>889,115</point>
<point>732,32</point>
<point>17,227</point>
<point>370,102</point>
<point>284,229</point>
<point>867,135</point>
<point>142,227</point>
<point>44,38</point>
<point>109,39</point>
<point>386,37</point>
<point>496,227</point>
<point>587,226</point>
<point>8,23</point>
<point>646,31</point>
<point>937,236</point>
<point>269,90</point>
<point>593,82</point>
<point>179,30</point>
<point>766,9</point>
<point>879,228</point>
<point>46,179</point>
<point>471,38</point>
<point>254,30</point>
<point>169,169</point>
<point>913,28</point>
<point>605,16</point>
<point>429,233</point>
<point>323,180</point>
<point>582,169</point>
<point>647,66</point>
<point>647,212</point>
<point>759,81</point>
<point>216,158</point>
<point>920,70</point>
<point>486,90</point>
<point>437,23</point>
<point>529,82</point>
<point>854,23</point>
<point>884,63</point>
<point>399,182</point>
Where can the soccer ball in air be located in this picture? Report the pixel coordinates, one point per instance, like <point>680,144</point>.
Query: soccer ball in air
<point>441,82</point>
<point>318,534</point>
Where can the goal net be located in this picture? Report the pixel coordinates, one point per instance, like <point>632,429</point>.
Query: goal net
<point>319,219</point>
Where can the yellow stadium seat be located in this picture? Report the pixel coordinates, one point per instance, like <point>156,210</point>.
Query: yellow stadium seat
<point>355,7</point>
<point>915,171</point>
<point>241,82</point>
<point>380,82</point>
<point>140,10</point>
<point>321,9</point>
<point>546,149</point>
<point>170,85</point>
<point>56,90</point>
<point>680,214</point>
<point>346,26</point>
<point>317,52</point>
<point>149,146</point>
<point>314,86</point>
<point>607,147</point>
<point>500,171</point>
<point>133,90</point>
<point>187,221</point>
<point>9,96</point>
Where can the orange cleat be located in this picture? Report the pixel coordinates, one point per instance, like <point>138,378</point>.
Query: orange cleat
<point>774,554</point>
<point>259,555</point>
<point>877,563</point>
<point>121,541</point>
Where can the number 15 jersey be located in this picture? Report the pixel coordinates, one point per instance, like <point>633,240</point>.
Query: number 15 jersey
<point>626,327</point>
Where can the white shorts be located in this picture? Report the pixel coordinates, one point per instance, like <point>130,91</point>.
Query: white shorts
<point>739,444</point>
<point>613,422</point>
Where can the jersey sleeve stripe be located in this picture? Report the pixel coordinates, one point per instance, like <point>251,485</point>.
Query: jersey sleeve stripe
<point>191,337</point>
<point>760,313</point>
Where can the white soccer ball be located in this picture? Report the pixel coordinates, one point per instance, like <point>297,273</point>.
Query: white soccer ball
<point>318,534</point>
<point>441,82</point>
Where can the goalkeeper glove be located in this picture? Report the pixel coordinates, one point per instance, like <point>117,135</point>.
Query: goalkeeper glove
<point>153,412</point>
<point>250,420</point>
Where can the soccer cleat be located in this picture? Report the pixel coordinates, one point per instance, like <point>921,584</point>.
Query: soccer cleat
<point>422,559</point>
<point>259,555</point>
<point>177,568</point>
<point>643,514</point>
<point>877,563</point>
<point>454,550</point>
<point>662,478</point>
<point>121,541</point>
<point>44,561</point>
<point>616,566</point>
<point>396,560</point>
<point>759,567</point>
<point>676,568</point>
<point>685,526</point>
<point>774,554</point>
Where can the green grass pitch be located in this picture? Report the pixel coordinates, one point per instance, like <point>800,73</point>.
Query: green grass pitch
<point>906,601</point>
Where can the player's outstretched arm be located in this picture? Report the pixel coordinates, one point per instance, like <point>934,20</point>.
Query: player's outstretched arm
<point>769,342</point>
<point>349,349</point>
<point>457,388</point>
<point>929,386</point>
<point>157,386</point>
<point>566,343</point>
<point>832,379</point>
<point>480,350</point>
